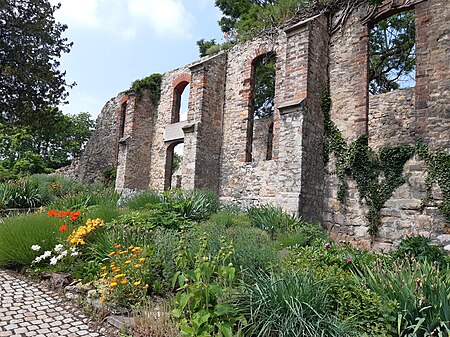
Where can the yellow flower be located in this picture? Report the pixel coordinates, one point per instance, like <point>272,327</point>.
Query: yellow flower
<point>131,247</point>
<point>142,259</point>
<point>116,245</point>
<point>103,275</point>
<point>137,266</point>
<point>120,275</point>
<point>104,268</point>
<point>127,262</point>
<point>137,283</point>
<point>111,254</point>
<point>113,284</point>
<point>124,281</point>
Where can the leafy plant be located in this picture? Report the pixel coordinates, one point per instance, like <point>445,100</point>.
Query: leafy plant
<point>144,199</point>
<point>272,219</point>
<point>420,291</point>
<point>419,247</point>
<point>200,305</point>
<point>288,304</point>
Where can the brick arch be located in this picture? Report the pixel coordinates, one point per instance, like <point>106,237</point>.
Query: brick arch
<point>179,84</point>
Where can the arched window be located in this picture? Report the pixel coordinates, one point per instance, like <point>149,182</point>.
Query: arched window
<point>180,102</point>
<point>174,159</point>
<point>261,106</point>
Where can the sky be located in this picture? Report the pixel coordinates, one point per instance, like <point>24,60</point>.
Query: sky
<point>118,41</point>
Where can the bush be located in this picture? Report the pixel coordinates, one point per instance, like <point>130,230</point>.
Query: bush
<point>21,194</point>
<point>419,247</point>
<point>253,247</point>
<point>19,233</point>
<point>272,219</point>
<point>420,292</point>
<point>288,304</point>
<point>197,205</point>
<point>142,200</point>
<point>304,234</point>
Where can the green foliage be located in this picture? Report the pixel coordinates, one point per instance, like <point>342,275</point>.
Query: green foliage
<point>264,87</point>
<point>31,45</point>
<point>305,234</point>
<point>419,248</point>
<point>420,291</point>
<point>205,45</point>
<point>392,56</point>
<point>144,199</point>
<point>20,194</point>
<point>156,217</point>
<point>109,176</point>
<point>151,83</point>
<point>377,175</point>
<point>272,219</point>
<point>49,144</point>
<point>197,205</point>
<point>253,247</point>
<point>19,233</point>
<point>438,165</point>
<point>288,304</point>
<point>202,291</point>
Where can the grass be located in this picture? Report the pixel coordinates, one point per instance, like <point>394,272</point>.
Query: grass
<point>19,233</point>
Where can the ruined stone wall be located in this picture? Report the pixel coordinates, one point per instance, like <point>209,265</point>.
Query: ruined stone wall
<point>400,117</point>
<point>101,151</point>
<point>311,56</point>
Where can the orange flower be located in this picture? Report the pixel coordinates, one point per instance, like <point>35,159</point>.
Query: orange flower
<point>124,281</point>
<point>61,214</point>
<point>52,212</point>
<point>76,213</point>
<point>63,228</point>
<point>102,300</point>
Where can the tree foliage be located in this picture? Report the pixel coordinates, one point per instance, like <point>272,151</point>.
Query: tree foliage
<point>58,139</point>
<point>392,56</point>
<point>264,91</point>
<point>31,43</point>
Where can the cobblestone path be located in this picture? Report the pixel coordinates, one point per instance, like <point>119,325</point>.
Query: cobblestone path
<point>28,310</point>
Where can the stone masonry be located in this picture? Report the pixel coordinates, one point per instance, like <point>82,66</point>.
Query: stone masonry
<point>281,162</point>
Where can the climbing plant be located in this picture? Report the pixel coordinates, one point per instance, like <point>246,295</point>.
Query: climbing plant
<point>377,174</point>
<point>438,166</point>
<point>151,83</point>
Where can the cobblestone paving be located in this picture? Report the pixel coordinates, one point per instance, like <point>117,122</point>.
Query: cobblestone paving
<point>27,310</point>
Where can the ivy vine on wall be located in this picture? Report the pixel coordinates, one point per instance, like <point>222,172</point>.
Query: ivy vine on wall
<point>151,83</point>
<point>379,174</point>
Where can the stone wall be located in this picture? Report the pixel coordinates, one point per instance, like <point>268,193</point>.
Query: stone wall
<point>312,56</point>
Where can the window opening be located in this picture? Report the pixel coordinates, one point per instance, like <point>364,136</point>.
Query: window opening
<point>392,53</point>
<point>261,106</point>
<point>174,162</point>
<point>181,102</point>
<point>123,113</point>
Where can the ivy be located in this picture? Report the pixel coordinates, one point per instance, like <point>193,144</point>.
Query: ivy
<point>438,166</point>
<point>377,174</point>
<point>151,83</point>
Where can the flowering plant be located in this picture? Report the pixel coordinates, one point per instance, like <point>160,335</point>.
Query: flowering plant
<point>72,216</point>
<point>77,237</point>
<point>56,254</point>
<point>124,278</point>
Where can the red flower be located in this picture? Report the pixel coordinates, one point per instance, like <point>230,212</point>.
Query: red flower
<point>61,214</point>
<point>52,212</point>
<point>74,215</point>
<point>63,228</point>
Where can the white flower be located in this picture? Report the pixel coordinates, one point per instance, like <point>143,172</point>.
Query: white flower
<point>53,260</point>
<point>35,247</point>
<point>37,259</point>
<point>74,253</point>
<point>46,254</point>
<point>63,253</point>
<point>58,248</point>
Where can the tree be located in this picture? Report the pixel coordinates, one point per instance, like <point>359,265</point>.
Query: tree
<point>392,56</point>
<point>30,46</point>
<point>205,45</point>
<point>49,145</point>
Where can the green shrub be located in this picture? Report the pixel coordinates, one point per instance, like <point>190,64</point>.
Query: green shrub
<point>272,219</point>
<point>197,205</point>
<point>23,193</point>
<point>288,304</point>
<point>253,247</point>
<point>419,247</point>
<point>305,234</point>
<point>144,199</point>
<point>229,219</point>
<point>19,233</point>
<point>420,292</point>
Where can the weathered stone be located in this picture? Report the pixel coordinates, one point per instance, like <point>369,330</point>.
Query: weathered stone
<point>278,160</point>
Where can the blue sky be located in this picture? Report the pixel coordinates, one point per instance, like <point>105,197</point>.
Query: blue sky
<point>118,41</point>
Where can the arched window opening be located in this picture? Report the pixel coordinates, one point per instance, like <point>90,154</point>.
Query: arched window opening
<point>262,107</point>
<point>123,113</point>
<point>174,160</point>
<point>392,53</point>
<point>180,102</point>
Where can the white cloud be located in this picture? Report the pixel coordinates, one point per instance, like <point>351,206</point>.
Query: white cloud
<point>169,18</point>
<point>78,12</point>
